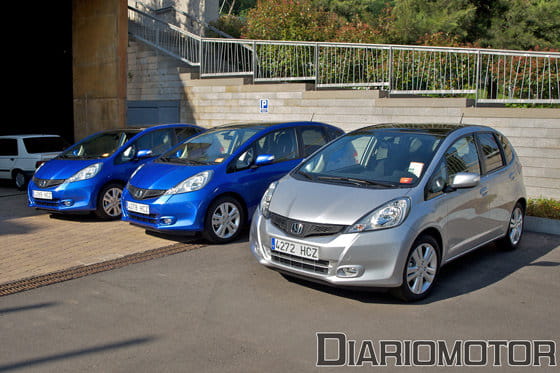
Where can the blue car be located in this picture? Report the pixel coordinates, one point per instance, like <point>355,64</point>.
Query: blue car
<point>213,182</point>
<point>90,175</point>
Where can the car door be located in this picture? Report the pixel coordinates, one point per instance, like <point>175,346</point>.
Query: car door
<point>251,181</point>
<point>465,224</point>
<point>157,141</point>
<point>8,155</point>
<point>499,183</point>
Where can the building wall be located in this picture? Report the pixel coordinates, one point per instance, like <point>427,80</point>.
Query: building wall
<point>535,133</point>
<point>99,47</point>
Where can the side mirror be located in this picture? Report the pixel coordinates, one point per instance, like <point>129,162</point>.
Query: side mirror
<point>143,154</point>
<point>465,180</point>
<point>264,159</point>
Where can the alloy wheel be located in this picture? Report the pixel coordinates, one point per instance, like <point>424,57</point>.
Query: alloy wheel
<point>112,202</point>
<point>226,220</point>
<point>516,226</point>
<point>421,268</point>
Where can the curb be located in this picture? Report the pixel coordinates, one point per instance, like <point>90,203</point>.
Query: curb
<point>542,225</point>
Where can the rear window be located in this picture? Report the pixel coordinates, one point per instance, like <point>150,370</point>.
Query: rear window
<point>44,144</point>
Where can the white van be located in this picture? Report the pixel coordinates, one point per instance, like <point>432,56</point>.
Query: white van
<point>21,155</point>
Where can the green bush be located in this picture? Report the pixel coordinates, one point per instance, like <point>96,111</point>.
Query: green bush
<point>544,208</point>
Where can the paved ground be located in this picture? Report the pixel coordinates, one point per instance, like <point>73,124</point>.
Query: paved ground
<point>215,309</point>
<point>35,242</point>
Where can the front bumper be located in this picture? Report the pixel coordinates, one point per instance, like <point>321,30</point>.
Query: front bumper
<point>179,213</point>
<point>78,196</point>
<point>378,257</point>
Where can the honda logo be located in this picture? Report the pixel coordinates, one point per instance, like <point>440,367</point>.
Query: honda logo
<point>138,193</point>
<point>297,228</point>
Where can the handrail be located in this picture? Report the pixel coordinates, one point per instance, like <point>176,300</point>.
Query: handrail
<point>485,75</point>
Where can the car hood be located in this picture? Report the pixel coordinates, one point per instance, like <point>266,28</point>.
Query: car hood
<point>156,175</point>
<point>328,203</point>
<point>63,168</point>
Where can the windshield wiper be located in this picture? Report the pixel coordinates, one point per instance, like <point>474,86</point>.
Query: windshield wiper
<point>306,175</point>
<point>356,181</point>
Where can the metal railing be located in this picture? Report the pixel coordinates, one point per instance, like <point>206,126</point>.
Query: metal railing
<point>487,76</point>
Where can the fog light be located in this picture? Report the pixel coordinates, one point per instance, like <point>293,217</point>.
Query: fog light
<point>349,271</point>
<point>167,220</point>
<point>67,202</point>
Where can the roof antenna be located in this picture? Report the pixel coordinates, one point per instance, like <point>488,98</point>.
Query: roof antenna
<point>461,121</point>
<point>312,115</point>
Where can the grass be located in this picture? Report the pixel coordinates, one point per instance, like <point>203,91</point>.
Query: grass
<point>544,208</point>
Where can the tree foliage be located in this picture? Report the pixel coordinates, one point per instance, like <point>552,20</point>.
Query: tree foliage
<point>508,24</point>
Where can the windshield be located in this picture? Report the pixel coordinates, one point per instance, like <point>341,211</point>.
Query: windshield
<point>210,147</point>
<point>380,158</point>
<point>53,144</point>
<point>101,145</point>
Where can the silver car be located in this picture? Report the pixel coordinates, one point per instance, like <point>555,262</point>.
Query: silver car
<point>386,206</point>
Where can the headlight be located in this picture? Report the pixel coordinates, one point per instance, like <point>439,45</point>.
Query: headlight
<point>267,197</point>
<point>85,173</point>
<point>389,215</point>
<point>191,184</point>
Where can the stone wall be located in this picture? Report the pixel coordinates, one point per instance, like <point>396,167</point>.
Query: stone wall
<point>535,133</point>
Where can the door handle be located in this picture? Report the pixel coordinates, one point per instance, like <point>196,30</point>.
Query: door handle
<point>484,191</point>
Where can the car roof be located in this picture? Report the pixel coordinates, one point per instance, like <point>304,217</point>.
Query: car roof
<point>441,129</point>
<point>265,125</point>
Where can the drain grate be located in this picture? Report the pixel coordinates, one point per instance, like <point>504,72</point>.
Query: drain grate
<point>81,271</point>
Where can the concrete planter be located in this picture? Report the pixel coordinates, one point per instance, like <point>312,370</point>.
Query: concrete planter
<point>542,225</point>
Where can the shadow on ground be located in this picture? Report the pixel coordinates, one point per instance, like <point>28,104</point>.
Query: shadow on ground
<point>469,273</point>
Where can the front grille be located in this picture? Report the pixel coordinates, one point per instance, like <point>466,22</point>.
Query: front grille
<point>302,228</point>
<point>316,266</point>
<point>141,194</point>
<point>150,219</point>
<point>46,203</point>
<point>47,183</point>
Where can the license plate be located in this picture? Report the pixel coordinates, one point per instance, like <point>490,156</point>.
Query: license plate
<point>138,207</point>
<point>293,248</point>
<point>42,194</point>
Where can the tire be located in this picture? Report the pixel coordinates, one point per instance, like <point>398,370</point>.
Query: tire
<point>420,271</point>
<point>224,220</point>
<point>109,202</point>
<point>515,228</point>
<point>20,180</point>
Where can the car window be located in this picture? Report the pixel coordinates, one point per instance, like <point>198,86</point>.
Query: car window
<point>8,147</point>
<point>157,141</point>
<point>281,144</point>
<point>100,145</point>
<point>376,157</point>
<point>312,138</point>
<point>333,133</point>
<point>185,133</point>
<point>211,147</point>
<point>462,156</point>
<point>492,157</point>
<point>506,147</point>
<point>44,144</point>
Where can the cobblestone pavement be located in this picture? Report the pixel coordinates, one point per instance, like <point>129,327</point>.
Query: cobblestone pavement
<point>36,242</point>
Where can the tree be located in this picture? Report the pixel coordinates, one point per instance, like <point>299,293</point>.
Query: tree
<point>525,24</point>
<point>290,20</point>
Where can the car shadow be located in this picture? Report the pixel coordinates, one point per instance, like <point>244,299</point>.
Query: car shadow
<point>195,238</point>
<point>469,273</point>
